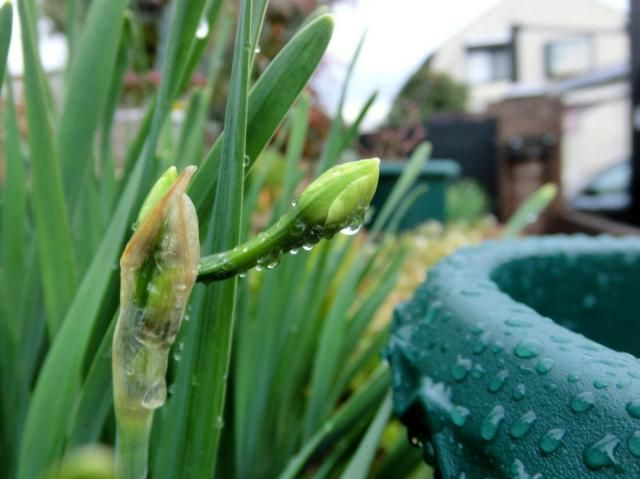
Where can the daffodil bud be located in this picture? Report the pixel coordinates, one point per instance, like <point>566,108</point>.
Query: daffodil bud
<point>338,198</point>
<point>335,201</point>
<point>158,270</point>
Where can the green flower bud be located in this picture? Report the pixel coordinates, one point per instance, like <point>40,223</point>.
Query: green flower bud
<point>158,270</point>
<point>335,201</point>
<point>340,195</point>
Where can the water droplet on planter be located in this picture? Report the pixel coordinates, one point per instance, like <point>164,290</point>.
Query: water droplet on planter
<point>544,365</point>
<point>498,381</point>
<point>600,384</point>
<point>633,408</point>
<point>459,415</point>
<point>634,444</point>
<point>155,396</point>
<point>527,349</point>
<point>518,323</point>
<point>583,402</point>
<point>551,441</point>
<point>523,425</point>
<point>461,368</point>
<point>602,453</point>
<point>491,423</point>
<point>518,471</point>
<point>519,392</point>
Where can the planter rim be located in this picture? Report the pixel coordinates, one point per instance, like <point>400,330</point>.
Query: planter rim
<point>466,402</point>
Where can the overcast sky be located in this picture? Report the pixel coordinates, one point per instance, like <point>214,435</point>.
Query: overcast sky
<point>400,35</point>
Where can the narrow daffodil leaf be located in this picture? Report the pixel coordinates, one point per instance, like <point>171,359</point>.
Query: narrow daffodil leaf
<point>6,14</point>
<point>335,201</point>
<point>529,211</point>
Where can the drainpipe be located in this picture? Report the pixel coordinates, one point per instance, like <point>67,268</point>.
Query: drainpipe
<point>634,37</point>
<point>515,35</point>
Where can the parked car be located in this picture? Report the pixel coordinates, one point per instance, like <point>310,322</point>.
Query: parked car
<point>608,191</point>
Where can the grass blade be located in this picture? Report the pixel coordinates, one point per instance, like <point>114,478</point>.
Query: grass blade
<point>404,183</point>
<point>269,101</point>
<point>333,146</point>
<point>14,217</point>
<point>91,71</point>
<point>529,211</point>
<point>198,427</point>
<point>50,213</point>
<point>359,465</point>
<point>345,417</point>
<point>6,15</point>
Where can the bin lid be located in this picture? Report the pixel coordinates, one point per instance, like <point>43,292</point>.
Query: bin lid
<point>435,168</point>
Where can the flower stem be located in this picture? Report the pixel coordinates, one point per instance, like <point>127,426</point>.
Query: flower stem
<point>132,447</point>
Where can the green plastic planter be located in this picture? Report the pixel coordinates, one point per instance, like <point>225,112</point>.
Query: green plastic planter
<point>437,175</point>
<point>515,360</point>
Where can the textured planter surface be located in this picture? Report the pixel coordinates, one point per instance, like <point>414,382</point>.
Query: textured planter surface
<point>514,360</point>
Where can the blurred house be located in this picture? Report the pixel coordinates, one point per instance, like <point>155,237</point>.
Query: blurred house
<point>576,50</point>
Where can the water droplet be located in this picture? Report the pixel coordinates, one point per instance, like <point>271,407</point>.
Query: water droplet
<point>294,251</point>
<point>527,349</point>
<point>633,408</point>
<point>257,50</point>
<point>351,230</point>
<point>573,378</point>
<point>246,160</point>
<point>415,441</point>
<point>155,396</point>
<point>129,371</point>
<point>491,423</point>
<point>589,301</point>
<point>259,268</point>
<point>518,471</point>
<point>459,415</point>
<point>518,323</point>
<point>294,202</point>
<point>481,345</point>
<point>523,425</point>
<point>544,365</point>
<point>243,274</point>
<point>177,357</point>
<point>519,392</point>
<point>600,384</point>
<point>602,453</point>
<point>461,368</point>
<point>219,422</point>
<point>560,339</point>
<point>478,371</point>
<point>498,381</point>
<point>583,402</point>
<point>551,441</point>
<point>634,444</point>
<point>307,246</point>
<point>203,30</point>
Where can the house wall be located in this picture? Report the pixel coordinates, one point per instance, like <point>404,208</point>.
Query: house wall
<point>560,19</point>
